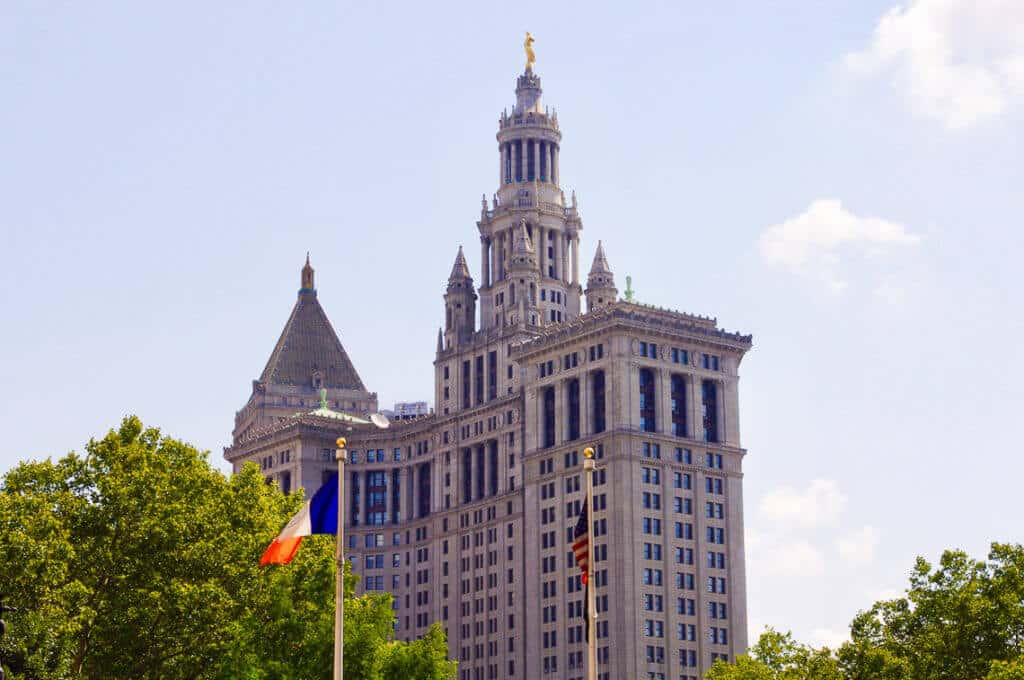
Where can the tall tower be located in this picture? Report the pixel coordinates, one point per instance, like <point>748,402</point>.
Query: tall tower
<point>529,194</point>
<point>601,290</point>
<point>459,304</point>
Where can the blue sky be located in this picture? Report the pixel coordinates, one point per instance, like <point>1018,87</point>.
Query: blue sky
<point>841,180</point>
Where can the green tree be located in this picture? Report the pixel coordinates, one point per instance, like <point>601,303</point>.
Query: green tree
<point>423,659</point>
<point>776,656</point>
<point>138,559</point>
<point>963,619</point>
<point>957,620</point>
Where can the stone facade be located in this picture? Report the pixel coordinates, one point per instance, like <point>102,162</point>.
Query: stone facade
<point>466,514</point>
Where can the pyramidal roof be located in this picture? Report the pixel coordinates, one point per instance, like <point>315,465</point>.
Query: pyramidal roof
<point>308,344</point>
<point>600,265</point>
<point>460,270</point>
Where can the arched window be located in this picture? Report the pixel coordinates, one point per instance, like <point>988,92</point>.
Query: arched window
<point>709,409</point>
<point>647,420</point>
<point>549,416</point>
<point>678,405</point>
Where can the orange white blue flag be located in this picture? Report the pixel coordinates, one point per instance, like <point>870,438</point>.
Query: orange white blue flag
<point>319,515</point>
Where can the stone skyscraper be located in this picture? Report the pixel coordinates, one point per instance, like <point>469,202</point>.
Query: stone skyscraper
<point>466,514</point>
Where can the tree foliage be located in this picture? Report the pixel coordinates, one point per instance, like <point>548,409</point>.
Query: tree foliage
<point>776,656</point>
<point>962,619</point>
<point>138,559</point>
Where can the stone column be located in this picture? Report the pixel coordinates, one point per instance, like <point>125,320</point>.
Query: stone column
<point>696,415</point>
<point>732,421</point>
<point>627,391</point>
<point>554,163</point>
<point>535,160</point>
<point>484,263</point>
<point>561,426</point>
<point>542,165</point>
<point>515,160</point>
<point>541,253</point>
<point>565,258</point>
<point>585,405</point>
<point>499,257</point>
<point>664,406</point>
<point>405,498</point>
<point>576,259</point>
<point>531,149</point>
<point>492,257</point>
<point>551,162</point>
<point>501,164</point>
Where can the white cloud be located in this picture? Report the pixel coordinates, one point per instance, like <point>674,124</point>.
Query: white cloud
<point>858,548</point>
<point>826,637</point>
<point>774,555</point>
<point>959,61</point>
<point>820,503</point>
<point>811,242</point>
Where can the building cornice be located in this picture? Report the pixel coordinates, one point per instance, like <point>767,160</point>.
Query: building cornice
<point>639,317</point>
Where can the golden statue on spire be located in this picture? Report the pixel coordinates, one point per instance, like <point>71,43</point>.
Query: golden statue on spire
<point>530,55</point>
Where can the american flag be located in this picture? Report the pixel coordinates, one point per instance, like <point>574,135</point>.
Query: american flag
<point>580,547</point>
<point>581,541</point>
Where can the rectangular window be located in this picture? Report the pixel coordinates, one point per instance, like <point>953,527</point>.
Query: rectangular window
<point>647,419</point>
<point>574,408</point>
<point>678,405</point>
<point>548,395</point>
<point>709,409</point>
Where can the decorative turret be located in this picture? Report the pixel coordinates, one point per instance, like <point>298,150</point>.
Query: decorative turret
<point>524,255</point>
<point>601,290</point>
<point>307,278</point>
<point>460,303</point>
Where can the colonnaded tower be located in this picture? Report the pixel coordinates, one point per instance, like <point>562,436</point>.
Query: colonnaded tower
<point>466,515</point>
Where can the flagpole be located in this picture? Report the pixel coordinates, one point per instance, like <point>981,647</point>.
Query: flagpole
<point>588,467</point>
<point>339,558</point>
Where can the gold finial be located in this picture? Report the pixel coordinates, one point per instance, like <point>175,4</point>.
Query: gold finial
<point>588,452</point>
<point>530,55</point>
<point>340,442</point>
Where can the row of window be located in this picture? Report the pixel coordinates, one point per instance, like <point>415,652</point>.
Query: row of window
<point>681,455</point>
<point>679,356</point>
<point>279,458</point>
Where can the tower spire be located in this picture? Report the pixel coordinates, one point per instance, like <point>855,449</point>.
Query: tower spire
<point>601,290</point>
<point>307,278</point>
<point>600,265</point>
<point>460,270</point>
